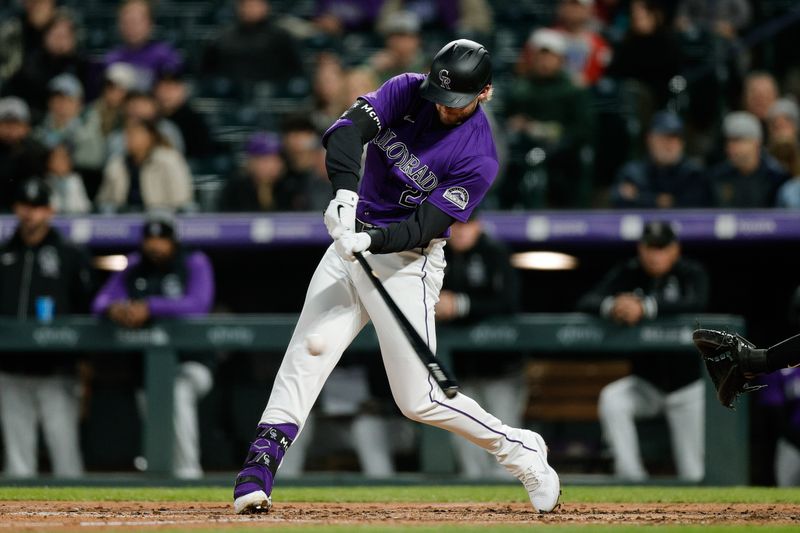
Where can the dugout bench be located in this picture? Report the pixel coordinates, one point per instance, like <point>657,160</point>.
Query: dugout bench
<point>726,431</point>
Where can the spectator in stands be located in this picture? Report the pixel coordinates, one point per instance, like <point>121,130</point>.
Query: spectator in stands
<point>481,283</point>
<point>69,192</point>
<point>359,81</point>
<point>21,156</point>
<point>261,185</point>
<point>138,49</point>
<point>782,121</point>
<point>328,91</point>
<point>144,106</point>
<point>174,102</point>
<point>107,110</point>
<point>659,282</point>
<point>22,35</point>
<point>466,18</point>
<point>106,114</point>
<point>788,155</point>
<point>165,280</point>
<point>402,51</point>
<point>724,18</point>
<point>336,17</point>
<point>665,177</point>
<point>612,17</point>
<point>781,400</point>
<point>254,48</point>
<point>149,175</point>
<point>749,177</point>
<point>65,123</point>
<point>760,94</point>
<point>549,113</point>
<point>587,53</point>
<point>41,275</point>
<point>58,55</point>
<point>784,146</point>
<point>648,57</point>
<point>306,175</point>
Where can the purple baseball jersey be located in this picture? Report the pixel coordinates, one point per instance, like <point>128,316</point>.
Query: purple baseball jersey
<point>414,158</point>
<point>783,390</point>
<point>149,60</point>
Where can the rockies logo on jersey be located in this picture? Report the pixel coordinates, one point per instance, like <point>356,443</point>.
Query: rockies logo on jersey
<point>457,196</point>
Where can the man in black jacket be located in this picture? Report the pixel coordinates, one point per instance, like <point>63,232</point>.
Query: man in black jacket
<point>40,275</point>
<point>261,184</point>
<point>749,177</point>
<point>656,283</point>
<point>174,100</point>
<point>20,155</point>
<point>481,283</point>
<point>254,48</point>
<point>665,177</point>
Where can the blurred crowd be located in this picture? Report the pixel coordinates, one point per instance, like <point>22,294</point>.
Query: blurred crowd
<point>220,105</point>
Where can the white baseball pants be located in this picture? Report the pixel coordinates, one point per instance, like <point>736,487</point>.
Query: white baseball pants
<point>787,464</point>
<point>192,382</point>
<point>25,403</point>
<point>626,400</point>
<point>340,301</point>
<point>505,396</point>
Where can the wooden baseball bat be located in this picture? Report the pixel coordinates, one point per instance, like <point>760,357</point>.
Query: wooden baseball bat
<point>443,378</point>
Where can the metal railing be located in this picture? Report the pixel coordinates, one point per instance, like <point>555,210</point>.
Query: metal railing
<point>544,335</point>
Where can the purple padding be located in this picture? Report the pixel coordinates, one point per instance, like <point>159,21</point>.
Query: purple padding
<point>532,228</point>
<point>259,477</point>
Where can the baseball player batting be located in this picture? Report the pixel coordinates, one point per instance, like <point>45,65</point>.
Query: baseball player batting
<point>430,160</point>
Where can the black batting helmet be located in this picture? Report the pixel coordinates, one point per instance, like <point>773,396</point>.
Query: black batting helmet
<point>459,73</point>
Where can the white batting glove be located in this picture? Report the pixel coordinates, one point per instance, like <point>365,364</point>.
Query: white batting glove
<point>350,243</point>
<point>340,216</point>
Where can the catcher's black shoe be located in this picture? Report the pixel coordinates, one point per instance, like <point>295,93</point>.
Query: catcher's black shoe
<point>732,362</point>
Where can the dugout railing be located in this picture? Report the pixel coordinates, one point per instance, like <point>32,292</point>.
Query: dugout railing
<point>547,335</point>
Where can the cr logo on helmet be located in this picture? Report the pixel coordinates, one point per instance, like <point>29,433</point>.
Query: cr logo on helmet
<point>444,79</point>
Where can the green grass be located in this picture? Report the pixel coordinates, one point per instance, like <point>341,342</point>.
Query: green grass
<point>438,493</point>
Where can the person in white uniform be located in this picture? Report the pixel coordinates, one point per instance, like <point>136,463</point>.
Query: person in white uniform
<point>430,160</point>
<point>41,275</point>
<point>658,282</point>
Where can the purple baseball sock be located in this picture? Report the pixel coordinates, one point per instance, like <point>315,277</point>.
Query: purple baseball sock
<point>263,458</point>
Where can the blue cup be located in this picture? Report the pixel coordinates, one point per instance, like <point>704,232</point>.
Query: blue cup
<point>45,307</point>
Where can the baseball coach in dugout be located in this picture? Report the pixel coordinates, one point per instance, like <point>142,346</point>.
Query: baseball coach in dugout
<point>430,160</point>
